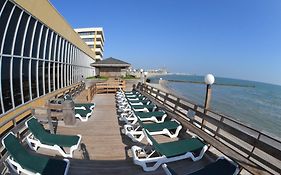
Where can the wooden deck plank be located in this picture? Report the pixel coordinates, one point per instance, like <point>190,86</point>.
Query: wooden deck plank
<point>105,150</point>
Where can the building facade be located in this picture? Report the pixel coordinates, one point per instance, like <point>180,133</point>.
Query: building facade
<point>94,38</point>
<point>39,53</point>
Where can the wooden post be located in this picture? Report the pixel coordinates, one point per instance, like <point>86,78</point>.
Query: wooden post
<point>207,101</point>
<point>208,97</point>
<point>50,123</point>
<point>68,113</point>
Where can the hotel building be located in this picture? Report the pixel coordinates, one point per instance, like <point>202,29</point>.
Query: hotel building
<point>94,38</point>
<point>40,54</point>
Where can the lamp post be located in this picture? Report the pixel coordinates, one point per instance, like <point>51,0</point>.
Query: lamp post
<point>145,76</point>
<point>141,75</point>
<point>209,80</point>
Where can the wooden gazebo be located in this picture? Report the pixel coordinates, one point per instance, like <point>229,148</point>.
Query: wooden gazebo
<point>111,67</point>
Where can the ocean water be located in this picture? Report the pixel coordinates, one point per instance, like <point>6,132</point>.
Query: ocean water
<point>254,103</point>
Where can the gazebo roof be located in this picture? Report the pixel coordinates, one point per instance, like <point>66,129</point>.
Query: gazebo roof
<point>111,62</point>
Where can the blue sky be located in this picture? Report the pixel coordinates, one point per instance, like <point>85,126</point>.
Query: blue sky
<point>229,38</point>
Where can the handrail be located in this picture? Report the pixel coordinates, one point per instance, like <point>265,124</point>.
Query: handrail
<point>246,141</point>
<point>110,86</point>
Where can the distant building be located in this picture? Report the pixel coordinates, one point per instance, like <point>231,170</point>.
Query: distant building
<point>111,67</point>
<point>94,38</point>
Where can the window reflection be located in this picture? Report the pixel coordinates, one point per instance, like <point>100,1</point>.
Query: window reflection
<point>6,88</point>
<point>16,81</point>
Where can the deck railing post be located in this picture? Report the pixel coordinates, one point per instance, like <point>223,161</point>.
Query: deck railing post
<point>218,128</point>
<point>68,112</point>
<point>254,146</point>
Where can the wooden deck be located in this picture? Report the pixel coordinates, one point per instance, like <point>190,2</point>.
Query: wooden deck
<point>105,150</point>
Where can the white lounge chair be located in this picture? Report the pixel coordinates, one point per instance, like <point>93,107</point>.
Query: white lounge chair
<point>170,128</point>
<point>21,161</point>
<point>39,137</point>
<point>151,158</point>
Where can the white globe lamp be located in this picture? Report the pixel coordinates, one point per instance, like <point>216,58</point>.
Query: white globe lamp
<point>209,79</point>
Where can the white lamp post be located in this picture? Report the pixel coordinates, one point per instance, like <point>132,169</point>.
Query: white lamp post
<point>141,75</point>
<point>209,80</point>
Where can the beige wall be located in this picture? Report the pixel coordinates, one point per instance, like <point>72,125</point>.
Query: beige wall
<point>110,72</point>
<point>45,12</point>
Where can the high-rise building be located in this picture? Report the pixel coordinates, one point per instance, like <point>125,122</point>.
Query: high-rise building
<point>94,38</point>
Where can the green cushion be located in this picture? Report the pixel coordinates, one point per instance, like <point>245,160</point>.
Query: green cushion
<point>220,167</point>
<point>157,114</point>
<point>140,101</point>
<point>153,127</point>
<point>50,139</point>
<point>86,105</point>
<point>83,112</point>
<point>32,162</point>
<point>176,148</point>
<point>149,107</point>
<point>131,98</point>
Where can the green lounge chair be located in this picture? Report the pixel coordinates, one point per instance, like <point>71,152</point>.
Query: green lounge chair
<point>221,166</point>
<point>21,161</point>
<point>132,117</point>
<point>140,102</point>
<point>170,128</point>
<point>156,116</point>
<point>39,137</point>
<point>85,106</point>
<point>131,99</point>
<point>82,114</point>
<point>150,159</point>
<point>134,95</point>
<point>144,108</point>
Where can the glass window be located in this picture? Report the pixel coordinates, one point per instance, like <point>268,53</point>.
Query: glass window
<point>57,49</point>
<point>51,76</point>
<point>42,42</point>
<point>11,31</point>
<point>87,33</point>
<point>69,74</point>
<point>21,30</point>
<point>46,73</point>
<point>28,37</point>
<point>16,81</point>
<point>62,75</point>
<point>25,79</point>
<point>4,18</point>
<point>48,45</point>
<point>5,75</point>
<point>40,77</point>
<point>65,52</point>
<point>56,76</point>
<point>33,78</point>
<point>2,4</point>
<point>53,47</point>
<point>61,50</point>
<point>36,39</point>
<point>88,39</point>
